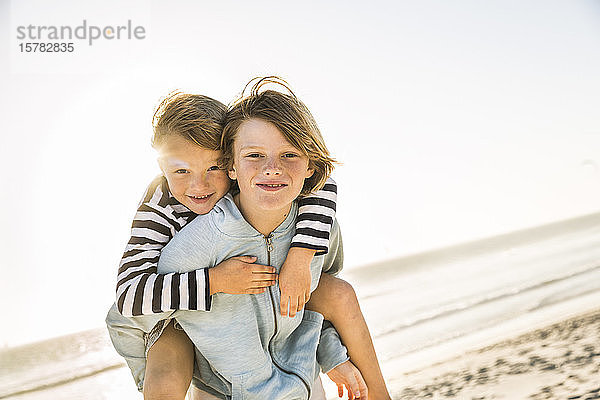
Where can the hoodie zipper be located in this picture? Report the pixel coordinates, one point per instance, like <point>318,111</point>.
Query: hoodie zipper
<point>269,242</point>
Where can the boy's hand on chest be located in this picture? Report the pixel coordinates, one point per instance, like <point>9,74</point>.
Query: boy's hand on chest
<point>241,275</point>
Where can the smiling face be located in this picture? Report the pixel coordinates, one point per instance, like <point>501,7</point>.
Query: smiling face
<point>270,171</point>
<point>193,174</point>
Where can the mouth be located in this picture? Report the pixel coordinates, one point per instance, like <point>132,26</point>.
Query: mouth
<point>271,187</point>
<point>200,199</point>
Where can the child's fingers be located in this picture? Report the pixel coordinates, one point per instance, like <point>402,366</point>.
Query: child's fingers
<point>340,390</point>
<point>284,305</point>
<point>258,269</point>
<point>263,276</point>
<point>293,306</point>
<point>362,392</point>
<point>300,303</point>
<point>350,394</point>
<point>362,386</point>
<point>353,388</point>
<point>261,284</point>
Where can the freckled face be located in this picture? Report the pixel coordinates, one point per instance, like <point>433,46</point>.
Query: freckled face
<point>193,174</point>
<point>269,170</point>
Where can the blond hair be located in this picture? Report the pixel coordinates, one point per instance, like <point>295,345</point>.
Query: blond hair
<point>291,117</point>
<point>195,117</point>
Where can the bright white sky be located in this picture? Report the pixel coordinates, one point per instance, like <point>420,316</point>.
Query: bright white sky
<point>453,120</point>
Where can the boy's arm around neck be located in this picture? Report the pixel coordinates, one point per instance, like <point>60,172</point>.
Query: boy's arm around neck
<point>141,290</point>
<point>316,214</point>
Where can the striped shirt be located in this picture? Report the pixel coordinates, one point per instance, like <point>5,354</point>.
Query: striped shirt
<point>142,291</point>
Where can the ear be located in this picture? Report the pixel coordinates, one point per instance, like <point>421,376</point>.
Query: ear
<point>309,172</point>
<point>232,174</point>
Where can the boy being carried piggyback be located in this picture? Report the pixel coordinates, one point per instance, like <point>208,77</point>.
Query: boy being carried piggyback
<point>187,135</point>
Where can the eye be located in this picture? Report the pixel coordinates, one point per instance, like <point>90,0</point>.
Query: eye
<point>181,171</point>
<point>214,168</point>
<point>290,155</point>
<point>253,155</point>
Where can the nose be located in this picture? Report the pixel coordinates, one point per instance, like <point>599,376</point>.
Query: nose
<point>199,181</point>
<point>272,167</point>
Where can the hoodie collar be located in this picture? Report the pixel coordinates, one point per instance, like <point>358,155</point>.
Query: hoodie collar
<point>230,221</point>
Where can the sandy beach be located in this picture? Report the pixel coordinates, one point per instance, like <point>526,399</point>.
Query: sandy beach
<point>560,361</point>
<point>510,317</point>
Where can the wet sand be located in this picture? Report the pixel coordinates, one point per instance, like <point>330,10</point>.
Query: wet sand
<point>560,361</point>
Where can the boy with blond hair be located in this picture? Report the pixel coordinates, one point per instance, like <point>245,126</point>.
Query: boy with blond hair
<point>187,136</point>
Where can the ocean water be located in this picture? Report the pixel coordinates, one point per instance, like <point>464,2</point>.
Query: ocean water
<point>411,304</point>
<point>422,301</point>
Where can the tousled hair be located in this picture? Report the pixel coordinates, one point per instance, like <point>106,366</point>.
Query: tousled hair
<point>291,117</point>
<point>195,117</point>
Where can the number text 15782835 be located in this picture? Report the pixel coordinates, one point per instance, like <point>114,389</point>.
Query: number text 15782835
<point>36,47</point>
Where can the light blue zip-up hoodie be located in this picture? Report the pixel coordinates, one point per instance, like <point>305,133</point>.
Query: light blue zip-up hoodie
<point>245,349</point>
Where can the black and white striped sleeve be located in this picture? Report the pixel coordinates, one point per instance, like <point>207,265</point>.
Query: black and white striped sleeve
<point>140,289</point>
<point>315,218</point>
